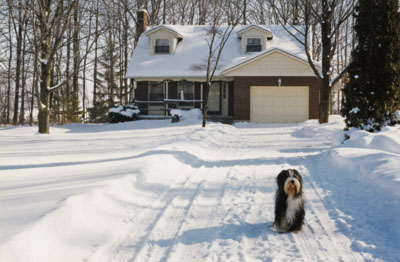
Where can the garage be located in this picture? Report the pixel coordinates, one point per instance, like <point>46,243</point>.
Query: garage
<point>279,104</point>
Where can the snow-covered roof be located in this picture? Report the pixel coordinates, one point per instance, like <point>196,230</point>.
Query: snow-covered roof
<point>190,57</point>
<point>259,27</point>
<point>163,27</point>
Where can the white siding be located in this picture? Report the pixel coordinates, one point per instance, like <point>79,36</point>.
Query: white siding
<point>163,34</point>
<point>254,33</point>
<point>273,64</point>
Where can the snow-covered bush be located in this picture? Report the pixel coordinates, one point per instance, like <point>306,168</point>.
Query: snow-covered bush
<point>123,113</point>
<point>192,114</point>
<point>397,116</point>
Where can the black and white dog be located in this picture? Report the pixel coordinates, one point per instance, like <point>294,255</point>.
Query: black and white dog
<point>289,202</point>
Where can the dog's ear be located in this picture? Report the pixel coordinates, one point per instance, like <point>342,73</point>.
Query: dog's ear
<point>297,173</point>
<point>280,179</point>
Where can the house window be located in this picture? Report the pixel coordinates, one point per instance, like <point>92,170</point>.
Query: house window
<point>162,46</point>
<point>253,45</point>
<point>156,91</point>
<point>186,90</point>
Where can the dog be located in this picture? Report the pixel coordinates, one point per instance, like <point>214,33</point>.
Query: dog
<point>289,202</point>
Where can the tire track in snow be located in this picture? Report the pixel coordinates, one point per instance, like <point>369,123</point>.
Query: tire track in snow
<point>213,194</point>
<point>131,248</point>
<point>320,232</point>
<point>168,225</point>
<point>128,248</point>
<point>182,236</point>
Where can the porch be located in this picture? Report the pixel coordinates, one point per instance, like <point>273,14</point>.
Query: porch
<point>155,99</point>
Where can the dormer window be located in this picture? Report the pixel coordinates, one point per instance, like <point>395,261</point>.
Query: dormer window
<point>253,45</point>
<point>162,46</point>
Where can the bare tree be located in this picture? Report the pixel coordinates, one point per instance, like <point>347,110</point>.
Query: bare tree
<point>329,16</point>
<point>45,55</point>
<point>54,19</point>
<point>217,36</point>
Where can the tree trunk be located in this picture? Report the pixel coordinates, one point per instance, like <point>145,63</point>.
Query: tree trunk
<point>22,110</point>
<point>18,69</point>
<point>44,121</point>
<point>9,69</point>
<point>44,99</point>
<point>325,87</point>
<point>244,12</point>
<point>68,95</point>
<point>96,33</point>
<point>45,76</point>
<point>324,95</point>
<point>164,12</point>
<point>76,58</point>
<point>206,89</point>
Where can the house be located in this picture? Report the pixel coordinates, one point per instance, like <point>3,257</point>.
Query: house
<point>263,75</point>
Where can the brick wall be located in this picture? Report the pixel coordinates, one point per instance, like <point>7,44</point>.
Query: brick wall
<point>241,104</point>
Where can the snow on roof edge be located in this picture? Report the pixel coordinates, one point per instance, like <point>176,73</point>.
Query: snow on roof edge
<point>258,56</point>
<point>254,26</point>
<point>159,27</point>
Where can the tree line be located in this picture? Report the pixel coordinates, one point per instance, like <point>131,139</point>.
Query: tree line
<point>59,58</point>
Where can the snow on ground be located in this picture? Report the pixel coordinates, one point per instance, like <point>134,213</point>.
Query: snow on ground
<point>150,190</point>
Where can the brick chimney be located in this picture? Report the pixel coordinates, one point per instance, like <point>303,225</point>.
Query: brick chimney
<point>141,23</point>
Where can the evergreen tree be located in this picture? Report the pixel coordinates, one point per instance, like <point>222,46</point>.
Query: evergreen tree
<point>373,93</point>
<point>98,113</point>
<point>106,84</point>
<point>109,61</point>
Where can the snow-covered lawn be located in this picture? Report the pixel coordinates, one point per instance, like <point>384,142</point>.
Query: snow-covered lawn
<point>156,191</point>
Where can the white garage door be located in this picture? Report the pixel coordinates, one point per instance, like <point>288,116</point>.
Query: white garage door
<point>284,104</point>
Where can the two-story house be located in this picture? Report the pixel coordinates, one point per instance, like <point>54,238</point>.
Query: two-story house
<point>263,75</point>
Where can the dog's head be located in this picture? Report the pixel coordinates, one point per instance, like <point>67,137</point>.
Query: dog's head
<point>290,182</point>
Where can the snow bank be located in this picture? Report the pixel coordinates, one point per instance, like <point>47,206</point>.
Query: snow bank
<point>193,114</point>
<point>362,178</point>
<point>85,225</point>
<point>79,224</point>
<point>387,140</point>
<point>330,131</point>
<point>397,113</point>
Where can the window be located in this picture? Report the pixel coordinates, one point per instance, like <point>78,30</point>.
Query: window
<point>156,91</point>
<point>253,45</point>
<point>186,90</point>
<point>162,46</point>
<point>224,91</point>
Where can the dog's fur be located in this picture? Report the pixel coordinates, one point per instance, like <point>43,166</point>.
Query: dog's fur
<point>289,202</point>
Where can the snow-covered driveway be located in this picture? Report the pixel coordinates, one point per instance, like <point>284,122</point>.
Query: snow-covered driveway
<point>155,191</point>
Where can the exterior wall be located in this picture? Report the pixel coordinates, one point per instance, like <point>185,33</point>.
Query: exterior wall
<point>241,104</point>
<point>273,64</point>
<point>162,34</point>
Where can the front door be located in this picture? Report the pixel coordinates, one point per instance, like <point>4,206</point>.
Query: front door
<point>214,103</point>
